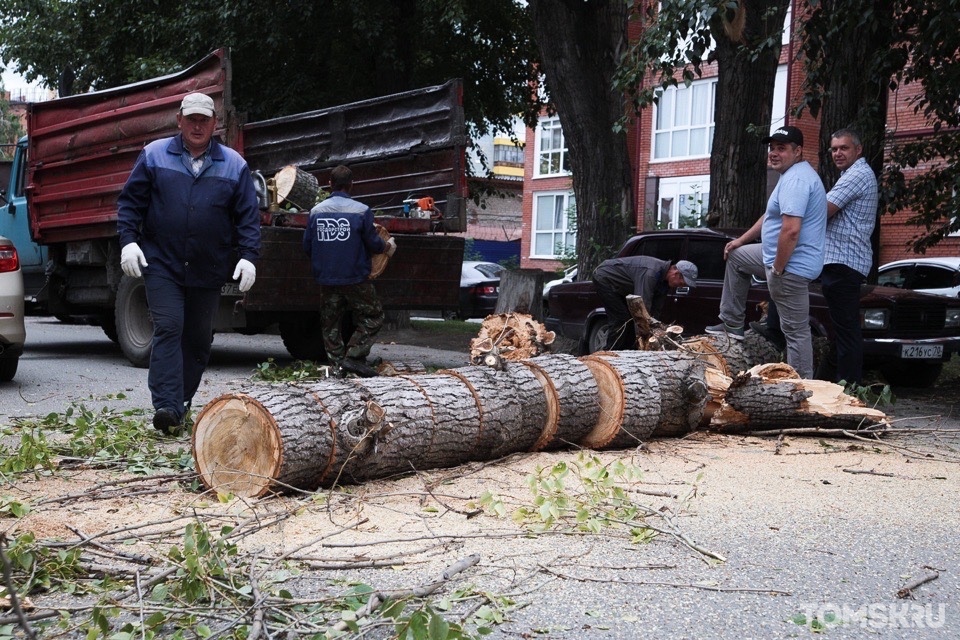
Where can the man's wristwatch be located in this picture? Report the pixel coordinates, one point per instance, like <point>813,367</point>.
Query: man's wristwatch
<point>775,272</point>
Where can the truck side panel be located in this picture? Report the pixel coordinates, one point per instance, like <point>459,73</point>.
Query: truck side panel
<point>83,147</point>
<point>410,143</point>
<point>417,276</point>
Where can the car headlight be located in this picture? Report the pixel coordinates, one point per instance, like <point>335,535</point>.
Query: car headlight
<point>953,318</point>
<point>875,319</point>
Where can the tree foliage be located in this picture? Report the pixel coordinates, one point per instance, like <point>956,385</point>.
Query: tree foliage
<point>290,56</point>
<point>743,37</point>
<point>581,44</point>
<point>10,127</point>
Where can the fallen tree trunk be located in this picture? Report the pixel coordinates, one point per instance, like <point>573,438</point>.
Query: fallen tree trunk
<point>270,437</point>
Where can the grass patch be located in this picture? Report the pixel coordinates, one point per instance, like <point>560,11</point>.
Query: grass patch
<point>951,371</point>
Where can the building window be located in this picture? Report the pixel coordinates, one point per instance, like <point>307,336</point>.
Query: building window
<point>684,121</point>
<point>683,202</point>
<point>509,154</point>
<point>552,158</point>
<point>554,232</point>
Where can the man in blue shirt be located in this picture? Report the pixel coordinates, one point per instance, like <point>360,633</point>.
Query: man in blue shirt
<point>790,253</point>
<point>187,217</point>
<point>339,239</point>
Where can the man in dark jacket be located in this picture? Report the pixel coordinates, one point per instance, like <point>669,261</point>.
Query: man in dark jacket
<point>187,218</point>
<point>643,276</point>
<point>340,238</point>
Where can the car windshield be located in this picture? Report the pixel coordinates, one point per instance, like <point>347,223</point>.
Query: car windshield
<point>489,269</point>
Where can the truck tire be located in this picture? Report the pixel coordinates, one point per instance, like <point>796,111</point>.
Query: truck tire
<point>303,337</point>
<point>134,324</point>
<point>920,375</point>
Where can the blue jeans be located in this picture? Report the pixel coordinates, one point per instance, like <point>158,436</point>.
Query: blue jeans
<point>790,292</point>
<point>182,338</point>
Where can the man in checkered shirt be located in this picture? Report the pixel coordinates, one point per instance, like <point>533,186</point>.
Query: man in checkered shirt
<point>848,255</point>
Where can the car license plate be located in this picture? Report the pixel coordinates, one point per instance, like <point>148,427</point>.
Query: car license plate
<point>921,351</point>
<point>230,289</point>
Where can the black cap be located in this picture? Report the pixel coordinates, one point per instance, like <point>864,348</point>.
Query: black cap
<point>786,134</point>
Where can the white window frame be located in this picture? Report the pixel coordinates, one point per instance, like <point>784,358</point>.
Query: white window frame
<point>673,117</point>
<point>556,230</point>
<point>546,146</point>
<point>681,194</point>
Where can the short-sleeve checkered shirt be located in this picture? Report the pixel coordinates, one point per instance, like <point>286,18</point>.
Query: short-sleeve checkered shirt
<point>849,230</point>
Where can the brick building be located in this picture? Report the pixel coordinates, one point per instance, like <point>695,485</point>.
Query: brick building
<point>669,146</point>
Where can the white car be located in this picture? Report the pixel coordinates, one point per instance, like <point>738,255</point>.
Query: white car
<point>12,331</point>
<point>940,276</point>
<point>569,275</point>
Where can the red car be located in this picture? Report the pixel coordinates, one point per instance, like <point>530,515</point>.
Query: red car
<point>907,335</point>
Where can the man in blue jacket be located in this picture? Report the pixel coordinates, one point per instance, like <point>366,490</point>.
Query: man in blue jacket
<point>340,238</point>
<point>188,217</point>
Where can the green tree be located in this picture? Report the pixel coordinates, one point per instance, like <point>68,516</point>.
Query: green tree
<point>581,44</point>
<point>743,37</point>
<point>288,57</point>
<point>10,127</point>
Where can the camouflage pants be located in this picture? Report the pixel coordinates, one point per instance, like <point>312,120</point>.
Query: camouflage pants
<point>361,301</point>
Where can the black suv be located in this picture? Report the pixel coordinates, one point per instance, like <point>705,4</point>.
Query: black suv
<point>907,335</point>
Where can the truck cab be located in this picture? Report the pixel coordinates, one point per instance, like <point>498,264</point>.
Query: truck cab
<point>15,225</point>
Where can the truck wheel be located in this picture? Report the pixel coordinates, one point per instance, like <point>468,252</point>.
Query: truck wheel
<point>134,324</point>
<point>108,322</point>
<point>920,375</point>
<point>303,338</point>
<point>8,368</point>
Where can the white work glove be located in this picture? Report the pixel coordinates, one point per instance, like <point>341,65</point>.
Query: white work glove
<point>247,273</point>
<point>131,259</point>
<point>391,247</point>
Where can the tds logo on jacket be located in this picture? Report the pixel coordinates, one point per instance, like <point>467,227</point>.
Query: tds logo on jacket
<point>332,229</point>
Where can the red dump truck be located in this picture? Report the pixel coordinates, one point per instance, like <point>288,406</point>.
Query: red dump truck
<point>403,148</point>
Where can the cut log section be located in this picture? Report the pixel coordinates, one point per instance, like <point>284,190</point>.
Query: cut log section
<point>509,336</point>
<point>378,261</point>
<point>772,396</point>
<point>572,400</point>
<point>296,186</point>
<point>629,401</point>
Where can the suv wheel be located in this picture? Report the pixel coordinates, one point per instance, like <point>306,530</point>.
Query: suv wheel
<point>596,337</point>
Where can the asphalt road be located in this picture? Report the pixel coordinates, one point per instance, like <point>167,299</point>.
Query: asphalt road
<point>64,363</point>
<point>817,538</point>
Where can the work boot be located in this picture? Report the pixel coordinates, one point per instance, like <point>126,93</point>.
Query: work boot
<point>776,340</point>
<point>166,421</point>
<point>358,368</point>
<point>725,329</point>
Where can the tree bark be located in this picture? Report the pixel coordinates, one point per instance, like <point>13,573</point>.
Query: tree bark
<point>581,44</point>
<point>742,114</point>
<point>521,291</point>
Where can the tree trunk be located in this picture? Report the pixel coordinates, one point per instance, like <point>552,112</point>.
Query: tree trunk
<point>281,437</point>
<point>581,45</point>
<point>521,291</point>
<point>857,87</point>
<point>744,102</point>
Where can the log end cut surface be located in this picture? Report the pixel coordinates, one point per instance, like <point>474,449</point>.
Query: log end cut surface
<point>237,446</point>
